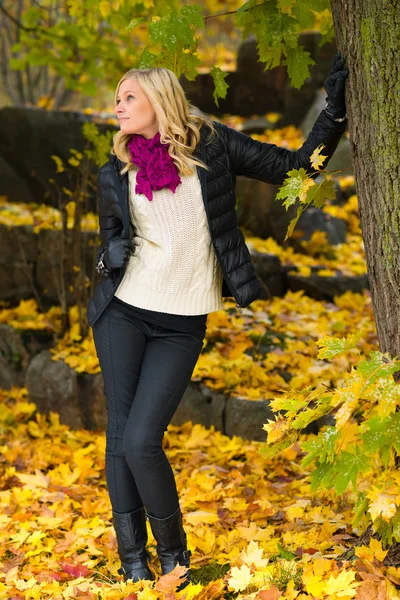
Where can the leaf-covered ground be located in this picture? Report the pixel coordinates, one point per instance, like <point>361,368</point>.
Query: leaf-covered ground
<point>253,527</point>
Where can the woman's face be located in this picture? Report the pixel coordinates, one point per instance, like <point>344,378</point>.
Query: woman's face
<point>134,111</point>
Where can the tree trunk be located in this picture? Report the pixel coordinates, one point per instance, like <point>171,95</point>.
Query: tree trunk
<point>368,35</point>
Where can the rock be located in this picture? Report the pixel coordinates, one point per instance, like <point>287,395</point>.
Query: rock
<point>257,91</point>
<point>314,219</point>
<point>258,125</point>
<point>14,358</point>
<point>92,401</point>
<point>55,257</point>
<point>257,208</point>
<point>264,216</point>
<point>325,288</point>
<point>297,102</point>
<point>36,340</point>
<point>28,138</point>
<point>269,270</point>
<point>199,93</point>
<point>12,182</point>
<point>201,405</point>
<point>53,386</point>
<point>246,417</point>
<point>31,264</point>
<point>324,421</point>
<point>17,262</point>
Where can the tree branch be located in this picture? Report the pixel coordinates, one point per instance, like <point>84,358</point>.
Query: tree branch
<point>42,30</point>
<point>231,12</point>
<point>14,20</point>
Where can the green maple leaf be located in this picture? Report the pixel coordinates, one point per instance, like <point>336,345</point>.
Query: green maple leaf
<point>383,432</point>
<point>376,367</point>
<point>291,187</point>
<point>331,346</point>
<point>323,447</point>
<point>321,477</point>
<point>348,466</point>
<point>298,61</point>
<point>220,85</point>
<point>317,194</point>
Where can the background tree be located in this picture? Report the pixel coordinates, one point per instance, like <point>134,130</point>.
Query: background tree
<point>56,54</point>
<point>51,49</point>
<point>84,42</point>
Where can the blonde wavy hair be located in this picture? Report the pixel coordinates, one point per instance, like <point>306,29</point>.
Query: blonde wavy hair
<point>177,125</point>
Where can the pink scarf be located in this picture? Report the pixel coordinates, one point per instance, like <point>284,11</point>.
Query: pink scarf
<point>157,168</point>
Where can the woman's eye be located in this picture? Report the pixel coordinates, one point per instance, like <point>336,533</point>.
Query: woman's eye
<point>128,96</point>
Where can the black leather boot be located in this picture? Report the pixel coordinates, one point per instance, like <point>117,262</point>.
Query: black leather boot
<point>171,544</point>
<point>131,532</point>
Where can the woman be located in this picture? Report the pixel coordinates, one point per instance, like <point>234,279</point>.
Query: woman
<point>170,251</point>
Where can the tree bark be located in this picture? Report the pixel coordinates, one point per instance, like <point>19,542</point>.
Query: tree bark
<point>368,35</point>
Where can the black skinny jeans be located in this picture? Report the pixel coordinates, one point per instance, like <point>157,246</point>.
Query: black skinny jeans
<point>146,369</point>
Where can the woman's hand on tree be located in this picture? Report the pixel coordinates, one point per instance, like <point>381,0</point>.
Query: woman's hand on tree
<point>334,86</point>
<point>118,253</point>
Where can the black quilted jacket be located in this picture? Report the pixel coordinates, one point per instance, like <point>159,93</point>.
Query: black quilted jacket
<point>232,154</point>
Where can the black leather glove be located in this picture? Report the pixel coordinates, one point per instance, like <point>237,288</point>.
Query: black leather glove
<point>118,253</point>
<point>334,86</point>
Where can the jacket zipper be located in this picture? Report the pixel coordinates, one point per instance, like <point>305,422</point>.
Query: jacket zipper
<point>238,307</point>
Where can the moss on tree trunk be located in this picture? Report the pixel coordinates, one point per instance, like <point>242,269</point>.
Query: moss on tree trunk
<point>368,35</point>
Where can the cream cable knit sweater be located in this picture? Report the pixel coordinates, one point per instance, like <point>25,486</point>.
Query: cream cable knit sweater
<point>174,268</point>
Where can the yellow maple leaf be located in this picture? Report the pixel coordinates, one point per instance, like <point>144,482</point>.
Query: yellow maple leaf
<point>238,349</point>
<point>240,578</point>
<point>291,593</point>
<point>203,538</point>
<point>296,511</point>
<point>276,429</point>
<point>235,504</point>
<point>34,481</point>
<point>304,270</point>
<point>381,505</point>
<point>196,517</point>
<point>16,540</point>
<point>344,586</point>
<point>314,586</point>
<point>317,158</point>
<point>35,430</point>
<point>304,187</point>
<point>326,272</point>
<point>148,594</point>
<point>345,412</point>
<point>253,555</point>
<point>373,551</point>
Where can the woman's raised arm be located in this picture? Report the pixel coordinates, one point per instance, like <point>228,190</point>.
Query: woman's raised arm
<point>270,163</point>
